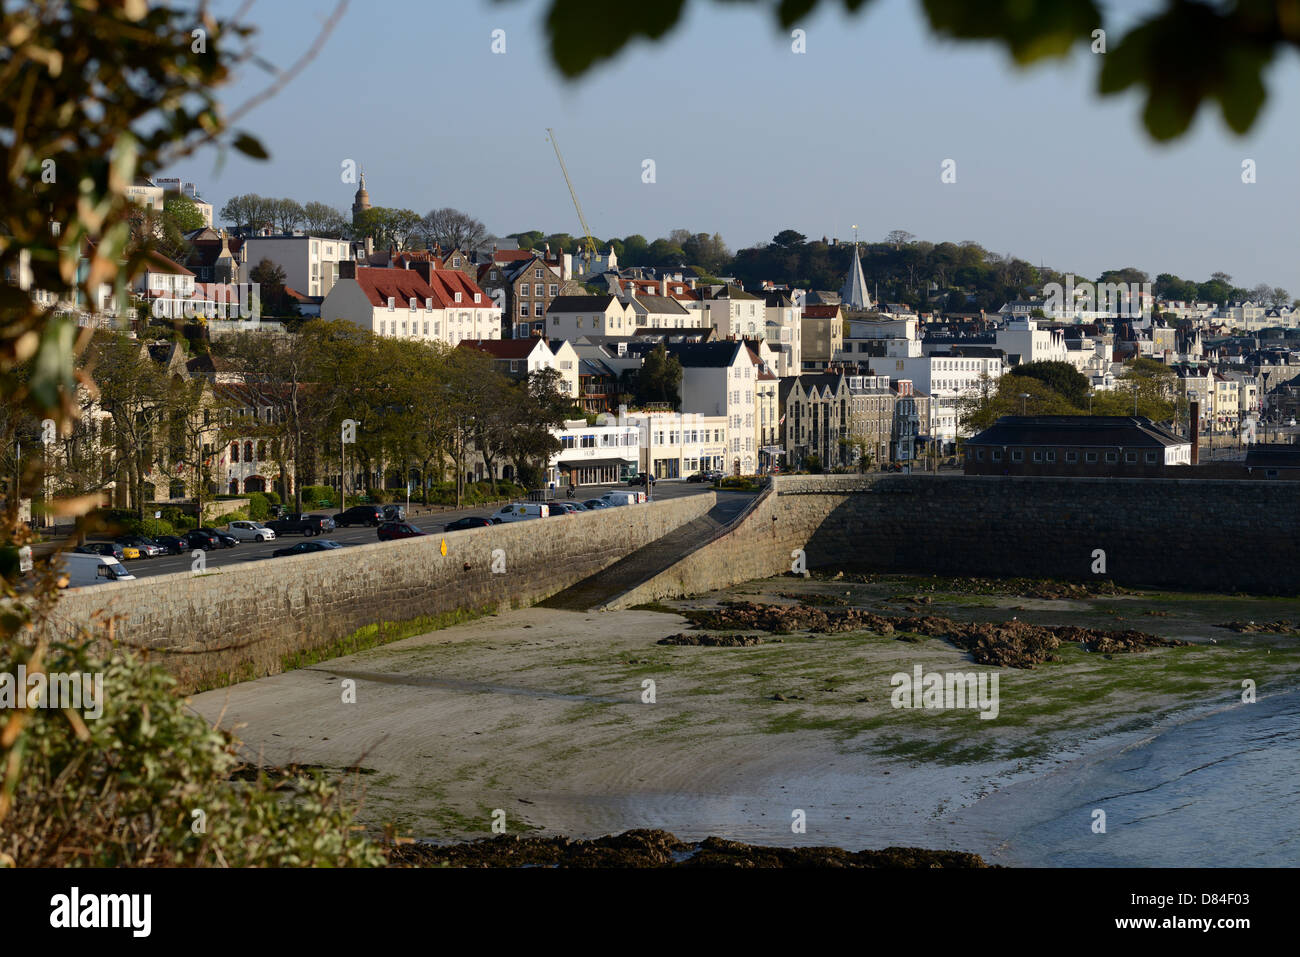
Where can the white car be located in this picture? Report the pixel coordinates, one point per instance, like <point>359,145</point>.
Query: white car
<point>250,532</point>
<point>623,498</point>
<point>520,512</point>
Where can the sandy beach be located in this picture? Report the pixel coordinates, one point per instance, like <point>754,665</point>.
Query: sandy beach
<point>546,715</point>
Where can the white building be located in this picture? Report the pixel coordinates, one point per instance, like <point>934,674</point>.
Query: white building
<point>721,379</point>
<point>174,184</point>
<point>1022,337</point>
<point>601,454</point>
<point>571,317</point>
<point>310,263</point>
<point>679,444</point>
<point>733,313</point>
<point>420,303</point>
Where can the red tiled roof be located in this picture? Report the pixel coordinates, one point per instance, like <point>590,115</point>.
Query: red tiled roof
<point>512,255</point>
<point>820,312</point>
<point>403,285</point>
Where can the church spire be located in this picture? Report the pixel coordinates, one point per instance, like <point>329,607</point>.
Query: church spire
<point>854,295</point>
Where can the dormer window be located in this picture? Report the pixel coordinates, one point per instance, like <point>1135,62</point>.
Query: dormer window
<point>392,303</point>
<point>428,305</point>
<point>458,297</point>
<point>414,305</point>
<point>478,297</point>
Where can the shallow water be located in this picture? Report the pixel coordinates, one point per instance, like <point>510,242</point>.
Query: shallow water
<point>1217,790</point>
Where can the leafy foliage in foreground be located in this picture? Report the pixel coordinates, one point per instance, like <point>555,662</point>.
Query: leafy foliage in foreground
<point>121,790</point>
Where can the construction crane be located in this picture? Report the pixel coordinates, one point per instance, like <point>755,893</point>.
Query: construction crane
<point>589,249</point>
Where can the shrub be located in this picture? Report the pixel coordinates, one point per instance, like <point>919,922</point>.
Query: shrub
<point>258,506</point>
<point>118,790</point>
<point>311,494</point>
<point>153,527</point>
<point>272,497</point>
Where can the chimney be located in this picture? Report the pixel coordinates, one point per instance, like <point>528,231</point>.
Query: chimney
<point>347,269</point>
<point>422,267</point>
<point>663,287</point>
<point>1194,415</point>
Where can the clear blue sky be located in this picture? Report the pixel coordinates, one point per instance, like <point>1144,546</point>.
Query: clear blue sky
<point>750,138</point>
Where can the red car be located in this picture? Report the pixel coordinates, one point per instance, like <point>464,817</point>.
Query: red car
<point>391,530</point>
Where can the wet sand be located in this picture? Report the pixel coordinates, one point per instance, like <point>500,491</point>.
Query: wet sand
<point>539,714</point>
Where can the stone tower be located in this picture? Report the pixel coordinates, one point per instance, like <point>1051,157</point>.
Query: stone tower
<point>361,202</point>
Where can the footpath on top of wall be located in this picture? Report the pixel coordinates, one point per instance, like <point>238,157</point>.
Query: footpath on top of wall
<point>243,621</point>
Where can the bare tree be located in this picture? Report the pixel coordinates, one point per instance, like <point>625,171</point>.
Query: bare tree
<point>451,229</point>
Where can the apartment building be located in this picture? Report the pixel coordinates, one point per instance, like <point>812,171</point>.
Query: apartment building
<point>720,379</point>
<point>421,303</point>
<point>310,263</point>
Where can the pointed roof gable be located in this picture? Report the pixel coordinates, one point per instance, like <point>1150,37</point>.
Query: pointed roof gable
<point>854,293</point>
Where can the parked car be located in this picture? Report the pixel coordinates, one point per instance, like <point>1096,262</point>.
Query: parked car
<point>201,538</point>
<point>296,523</point>
<point>520,511</point>
<point>359,515</point>
<point>107,549</point>
<point>250,532</point>
<point>172,544</point>
<point>392,530</point>
<point>469,521</point>
<point>86,568</point>
<point>221,539</point>
<point>596,503</point>
<point>565,508</point>
<point>394,513</point>
<point>304,548</point>
<point>623,498</point>
<point>640,479</point>
<point>146,547</point>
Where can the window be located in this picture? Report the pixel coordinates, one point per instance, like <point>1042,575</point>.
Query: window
<point>428,305</point>
<point>979,455</point>
<point>1050,456</point>
<point>1112,458</point>
<point>1090,458</point>
<point>555,290</point>
<point>996,455</point>
<point>414,305</point>
<point>392,303</point>
<point>1151,458</point>
<point>1018,455</point>
<point>537,274</point>
<point>1130,458</point>
<point>1038,456</point>
<point>458,297</point>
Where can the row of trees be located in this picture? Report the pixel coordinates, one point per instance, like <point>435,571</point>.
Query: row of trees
<point>419,408</point>
<point>1057,388</point>
<point>404,228</point>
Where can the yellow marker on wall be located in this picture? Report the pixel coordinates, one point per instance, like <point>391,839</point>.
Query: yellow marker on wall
<point>443,547</point>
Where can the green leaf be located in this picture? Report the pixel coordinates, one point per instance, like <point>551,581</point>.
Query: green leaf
<point>250,146</point>
<point>580,40</point>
